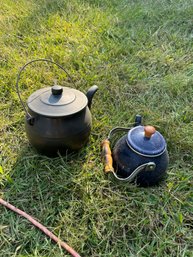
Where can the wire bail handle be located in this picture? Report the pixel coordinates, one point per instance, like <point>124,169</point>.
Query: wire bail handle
<point>18,79</point>
<point>149,166</point>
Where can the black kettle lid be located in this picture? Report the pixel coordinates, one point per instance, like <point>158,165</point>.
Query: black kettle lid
<point>146,141</point>
<point>57,101</point>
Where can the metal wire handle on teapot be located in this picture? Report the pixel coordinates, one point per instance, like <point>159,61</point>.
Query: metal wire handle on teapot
<point>148,166</point>
<point>24,66</point>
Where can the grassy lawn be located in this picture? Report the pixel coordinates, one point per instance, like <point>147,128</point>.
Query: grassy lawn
<point>140,54</point>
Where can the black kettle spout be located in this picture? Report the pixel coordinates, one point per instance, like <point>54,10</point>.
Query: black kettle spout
<point>90,93</point>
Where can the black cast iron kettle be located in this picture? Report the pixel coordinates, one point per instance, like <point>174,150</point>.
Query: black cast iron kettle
<point>140,155</point>
<point>57,118</point>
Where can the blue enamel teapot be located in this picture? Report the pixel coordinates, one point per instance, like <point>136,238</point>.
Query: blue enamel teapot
<point>139,156</point>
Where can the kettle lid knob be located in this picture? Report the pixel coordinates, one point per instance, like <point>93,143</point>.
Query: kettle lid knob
<point>146,140</point>
<point>149,131</point>
<point>57,90</point>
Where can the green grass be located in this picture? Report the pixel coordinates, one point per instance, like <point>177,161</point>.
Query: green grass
<point>140,55</point>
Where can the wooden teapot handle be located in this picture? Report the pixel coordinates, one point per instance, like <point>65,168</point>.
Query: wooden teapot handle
<point>107,156</point>
<point>106,150</point>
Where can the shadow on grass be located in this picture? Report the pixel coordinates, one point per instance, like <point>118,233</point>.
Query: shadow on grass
<point>53,177</point>
<point>45,188</point>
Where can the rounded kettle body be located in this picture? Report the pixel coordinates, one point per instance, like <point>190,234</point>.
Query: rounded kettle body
<point>126,160</point>
<point>51,134</point>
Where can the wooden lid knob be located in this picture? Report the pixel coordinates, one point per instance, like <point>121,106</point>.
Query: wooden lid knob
<point>149,131</point>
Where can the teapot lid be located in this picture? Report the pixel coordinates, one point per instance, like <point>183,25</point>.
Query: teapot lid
<point>146,141</point>
<point>57,101</point>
